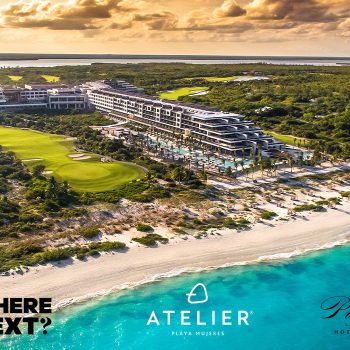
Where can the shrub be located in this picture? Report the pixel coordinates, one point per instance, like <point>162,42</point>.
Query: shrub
<point>229,223</point>
<point>335,200</point>
<point>217,212</point>
<point>93,252</point>
<point>243,221</point>
<point>197,221</point>
<point>151,239</point>
<point>267,215</point>
<point>345,194</point>
<point>144,227</point>
<point>308,207</point>
<point>56,254</point>
<point>89,232</point>
<point>106,246</point>
<point>240,223</point>
<point>179,231</point>
<point>81,256</point>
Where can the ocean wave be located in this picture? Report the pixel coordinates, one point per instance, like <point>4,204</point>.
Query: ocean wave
<point>187,270</point>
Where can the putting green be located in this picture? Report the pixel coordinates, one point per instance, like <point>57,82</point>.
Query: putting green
<point>288,139</point>
<point>53,151</point>
<point>51,78</point>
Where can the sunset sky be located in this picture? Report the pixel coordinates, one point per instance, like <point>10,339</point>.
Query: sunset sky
<point>214,27</point>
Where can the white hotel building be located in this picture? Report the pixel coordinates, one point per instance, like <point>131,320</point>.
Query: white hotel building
<point>43,96</point>
<point>219,131</point>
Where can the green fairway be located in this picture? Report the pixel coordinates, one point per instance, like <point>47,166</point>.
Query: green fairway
<point>51,78</point>
<point>175,94</point>
<point>214,79</point>
<point>220,79</point>
<point>288,139</point>
<point>57,154</point>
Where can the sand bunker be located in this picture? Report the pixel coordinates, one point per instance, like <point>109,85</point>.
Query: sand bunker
<point>79,156</point>
<point>31,159</point>
<point>47,172</point>
<point>82,158</point>
<point>76,155</point>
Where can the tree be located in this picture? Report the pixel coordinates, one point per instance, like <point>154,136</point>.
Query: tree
<point>51,191</point>
<point>38,171</point>
<point>228,171</point>
<point>178,174</point>
<point>203,176</point>
<point>148,177</point>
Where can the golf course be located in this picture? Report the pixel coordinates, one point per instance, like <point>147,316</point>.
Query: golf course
<point>83,171</point>
<point>213,79</point>
<point>185,91</point>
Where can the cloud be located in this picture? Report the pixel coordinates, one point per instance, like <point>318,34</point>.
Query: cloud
<point>212,20</point>
<point>70,15</point>
<point>163,20</point>
<point>294,10</point>
<point>229,8</point>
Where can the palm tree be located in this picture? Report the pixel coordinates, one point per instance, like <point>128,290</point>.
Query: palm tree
<point>247,171</point>
<point>149,177</point>
<point>235,164</point>
<point>203,176</point>
<point>291,162</point>
<point>228,171</point>
<point>274,166</point>
<point>255,165</point>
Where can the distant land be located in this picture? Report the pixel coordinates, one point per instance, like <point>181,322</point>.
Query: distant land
<point>35,56</point>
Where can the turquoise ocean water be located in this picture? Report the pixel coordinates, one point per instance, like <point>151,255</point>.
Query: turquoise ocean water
<point>283,300</point>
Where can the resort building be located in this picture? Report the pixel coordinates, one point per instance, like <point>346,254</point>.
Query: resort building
<point>223,132</point>
<point>2,96</point>
<point>45,86</point>
<point>67,99</point>
<point>35,95</point>
<point>48,96</point>
<point>122,85</point>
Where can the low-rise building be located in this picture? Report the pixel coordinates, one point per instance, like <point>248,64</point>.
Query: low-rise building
<point>2,96</point>
<point>48,96</point>
<point>33,95</point>
<point>73,98</point>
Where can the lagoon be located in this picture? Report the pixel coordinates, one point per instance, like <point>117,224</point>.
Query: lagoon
<point>134,59</point>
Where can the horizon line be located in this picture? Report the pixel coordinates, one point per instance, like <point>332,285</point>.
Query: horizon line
<point>160,56</point>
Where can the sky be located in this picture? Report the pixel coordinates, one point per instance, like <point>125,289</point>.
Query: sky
<point>208,27</point>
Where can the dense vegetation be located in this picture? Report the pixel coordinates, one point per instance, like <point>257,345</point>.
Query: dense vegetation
<point>34,197</point>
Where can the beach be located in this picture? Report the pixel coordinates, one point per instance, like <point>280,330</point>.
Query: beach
<point>76,280</point>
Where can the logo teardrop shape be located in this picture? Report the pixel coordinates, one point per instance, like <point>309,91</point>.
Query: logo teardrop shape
<point>194,293</point>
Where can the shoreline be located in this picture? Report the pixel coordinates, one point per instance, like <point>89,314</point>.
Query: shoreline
<point>75,281</point>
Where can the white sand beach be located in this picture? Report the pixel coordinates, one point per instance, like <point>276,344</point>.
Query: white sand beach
<point>112,271</point>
